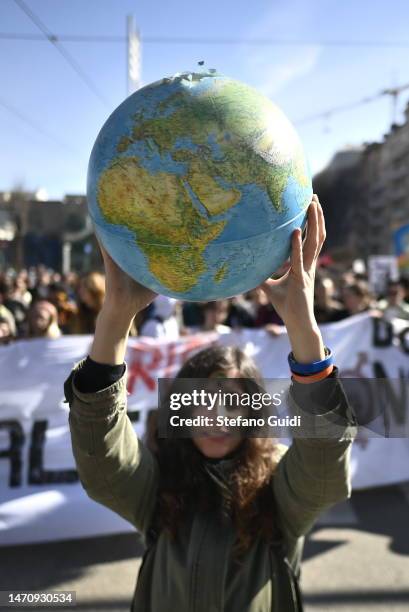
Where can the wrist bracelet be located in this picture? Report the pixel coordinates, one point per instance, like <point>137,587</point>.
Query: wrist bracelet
<point>306,380</point>
<point>310,368</point>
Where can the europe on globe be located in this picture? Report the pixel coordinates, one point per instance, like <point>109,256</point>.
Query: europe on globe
<point>195,185</point>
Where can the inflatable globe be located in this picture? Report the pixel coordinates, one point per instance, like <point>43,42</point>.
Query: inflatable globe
<point>195,185</point>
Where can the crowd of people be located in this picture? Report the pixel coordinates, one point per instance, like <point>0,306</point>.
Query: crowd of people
<point>40,302</point>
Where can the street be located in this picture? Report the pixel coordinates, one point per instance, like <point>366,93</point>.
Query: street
<point>356,558</point>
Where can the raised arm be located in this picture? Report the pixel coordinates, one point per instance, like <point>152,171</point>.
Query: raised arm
<point>114,467</point>
<point>314,472</point>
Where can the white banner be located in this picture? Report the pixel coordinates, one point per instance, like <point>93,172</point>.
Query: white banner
<point>40,496</point>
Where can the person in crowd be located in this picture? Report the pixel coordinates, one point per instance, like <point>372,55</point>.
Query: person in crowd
<point>240,313</point>
<point>264,314</point>
<point>90,297</point>
<point>3,286</point>
<point>223,515</point>
<point>346,278</point>
<point>326,307</point>
<point>192,314</point>
<point>66,307</point>
<point>405,284</point>
<point>394,305</point>
<point>42,320</point>
<point>13,300</point>
<point>19,290</point>
<point>161,320</point>
<point>8,330</point>
<point>356,298</point>
<point>39,290</point>
<point>55,278</point>
<point>215,316</point>
<point>70,281</point>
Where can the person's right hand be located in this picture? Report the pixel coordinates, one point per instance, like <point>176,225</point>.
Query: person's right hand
<point>122,293</point>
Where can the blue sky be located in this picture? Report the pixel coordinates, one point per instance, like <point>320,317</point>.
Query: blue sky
<point>302,80</point>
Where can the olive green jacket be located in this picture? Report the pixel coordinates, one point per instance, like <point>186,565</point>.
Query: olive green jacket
<point>196,572</point>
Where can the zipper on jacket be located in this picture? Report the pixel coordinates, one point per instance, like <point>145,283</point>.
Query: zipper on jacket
<point>194,581</point>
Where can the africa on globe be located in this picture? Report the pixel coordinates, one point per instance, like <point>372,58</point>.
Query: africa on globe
<point>195,185</point>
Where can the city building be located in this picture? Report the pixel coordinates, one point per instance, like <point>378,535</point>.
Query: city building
<point>55,233</point>
<point>338,187</point>
<point>365,195</point>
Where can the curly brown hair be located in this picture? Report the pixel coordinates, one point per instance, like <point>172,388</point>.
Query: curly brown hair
<point>185,485</point>
<point>92,284</point>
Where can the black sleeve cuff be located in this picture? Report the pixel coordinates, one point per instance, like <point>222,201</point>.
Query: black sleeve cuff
<point>94,376</point>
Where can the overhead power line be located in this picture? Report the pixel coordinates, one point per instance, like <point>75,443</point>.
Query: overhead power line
<point>337,109</point>
<point>33,124</point>
<point>394,92</point>
<point>177,40</point>
<point>270,42</point>
<point>66,55</point>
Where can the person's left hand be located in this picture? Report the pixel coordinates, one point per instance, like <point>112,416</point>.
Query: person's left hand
<point>292,295</point>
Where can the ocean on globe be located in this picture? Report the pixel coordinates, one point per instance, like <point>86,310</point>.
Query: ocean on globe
<point>195,185</point>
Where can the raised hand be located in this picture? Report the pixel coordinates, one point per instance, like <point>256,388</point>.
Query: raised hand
<point>121,291</point>
<point>124,297</point>
<point>292,295</point>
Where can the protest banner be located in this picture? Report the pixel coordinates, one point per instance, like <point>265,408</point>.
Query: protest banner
<point>41,498</point>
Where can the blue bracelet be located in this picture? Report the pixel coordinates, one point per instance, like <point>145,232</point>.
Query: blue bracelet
<point>310,368</point>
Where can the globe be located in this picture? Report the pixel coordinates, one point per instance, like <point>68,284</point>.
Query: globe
<point>195,185</point>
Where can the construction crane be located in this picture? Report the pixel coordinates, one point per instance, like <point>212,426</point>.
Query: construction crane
<point>394,92</point>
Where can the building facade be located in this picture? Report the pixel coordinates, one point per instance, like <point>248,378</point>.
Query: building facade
<point>43,232</point>
<point>366,198</point>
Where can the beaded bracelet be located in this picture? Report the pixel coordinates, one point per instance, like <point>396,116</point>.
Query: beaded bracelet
<point>310,368</point>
